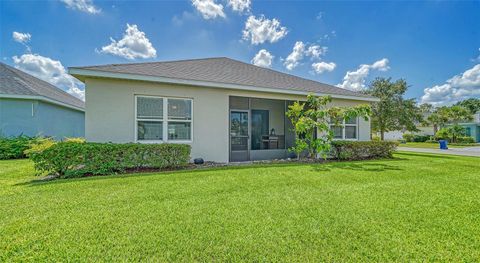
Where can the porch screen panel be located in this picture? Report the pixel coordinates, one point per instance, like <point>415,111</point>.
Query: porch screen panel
<point>239,103</point>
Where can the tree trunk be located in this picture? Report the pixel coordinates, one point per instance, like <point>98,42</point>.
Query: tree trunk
<point>435,129</point>
<point>382,135</point>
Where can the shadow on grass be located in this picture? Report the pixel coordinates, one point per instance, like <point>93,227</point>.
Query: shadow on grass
<point>427,155</point>
<point>366,165</point>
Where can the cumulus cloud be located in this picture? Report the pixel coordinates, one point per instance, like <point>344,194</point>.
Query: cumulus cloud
<point>460,87</point>
<point>263,59</point>
<point>315,51</point>
<point>355,80</point>
<point>51,71</point>
<point>260,30</point>
<point>208,8</point>
<point>240,6</point>
<point>300,50</point>
<point>296,56</point>
<point>134,44</point>
<point>321,67</point>
<point>86,6</point>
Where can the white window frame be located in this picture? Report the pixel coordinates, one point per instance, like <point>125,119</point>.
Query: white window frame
<point>164,120</point>
<point>343,125</point>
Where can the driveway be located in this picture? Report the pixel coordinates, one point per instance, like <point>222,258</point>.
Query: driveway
<point>468,151</point>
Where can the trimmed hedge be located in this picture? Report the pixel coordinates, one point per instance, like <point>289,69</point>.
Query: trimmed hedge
<point>76,159</point>
<point>14,147</point>
<point>359,150</point>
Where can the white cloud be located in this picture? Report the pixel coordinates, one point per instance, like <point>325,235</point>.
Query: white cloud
<point>300,50</point>
<point>134,44</point>
<point>263,59</point>
<point>240,6</point>
<point>208,8</point>
<point>355,80</point>
<point>260,30</point>
<point>296,56</point>
<point>321,67</point>
<point>21,37</point>
<point>315,51</point>
<point>86,6</point>
<point>51,71</point>
<point>460,87</point>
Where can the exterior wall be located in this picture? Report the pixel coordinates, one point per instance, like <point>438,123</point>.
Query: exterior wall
<point>32,118</point>
<point>474,130</point>
<point>110,109</point>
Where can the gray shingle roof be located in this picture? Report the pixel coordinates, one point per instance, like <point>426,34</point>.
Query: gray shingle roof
<point>16,82</point>
<point>226,71</point>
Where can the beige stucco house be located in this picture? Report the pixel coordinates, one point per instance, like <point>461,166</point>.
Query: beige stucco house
<point>225,109</point>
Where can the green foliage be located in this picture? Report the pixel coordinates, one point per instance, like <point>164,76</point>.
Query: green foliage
<point>472,104</point>
<point>465,139</point>
<point>360,150</point>
<point>39,145</point>
<point>451,133</point>
<point>408,137</point>
<point>393,112</point>
<point>311,121</point>
<point>75,159</point>
<point>14,147</point>
<point>442,116</point>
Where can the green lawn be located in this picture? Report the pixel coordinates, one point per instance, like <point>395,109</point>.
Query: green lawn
<point>435,145</point>
<point>415,207</point>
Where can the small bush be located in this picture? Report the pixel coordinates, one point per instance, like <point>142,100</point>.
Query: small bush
<point>14,147</point>
<point>76,159</point>
<point>408,137</point>
<point>39,145</point>
<point>420,138</point>
<point>465,139</point>
<point>357,150</point>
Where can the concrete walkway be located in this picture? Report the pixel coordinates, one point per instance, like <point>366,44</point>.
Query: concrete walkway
<point>468,151</point>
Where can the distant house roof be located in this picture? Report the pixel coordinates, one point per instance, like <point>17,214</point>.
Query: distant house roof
<point>15,83</point>
<point>216,72</point>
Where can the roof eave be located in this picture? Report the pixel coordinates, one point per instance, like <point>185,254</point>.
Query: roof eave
<point>81,74</point>
<point>41,98</point>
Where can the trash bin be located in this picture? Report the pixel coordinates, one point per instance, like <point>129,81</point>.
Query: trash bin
<point>443,144</point>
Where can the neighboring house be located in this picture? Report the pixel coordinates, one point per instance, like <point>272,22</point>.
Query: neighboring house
<point>472,129</point>
<point>398,135</point>
<point>32,107</point>
<point>225,109</point>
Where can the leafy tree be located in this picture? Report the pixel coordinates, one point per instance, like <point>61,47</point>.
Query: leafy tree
<point>442,116</point>
<point>451,133</point>
<point>311,121</point>
<point>392,112</point>
<point>472,104</point>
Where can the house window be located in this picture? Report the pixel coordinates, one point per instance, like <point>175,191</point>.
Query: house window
<point>345,130</point>
<point>163,119</point>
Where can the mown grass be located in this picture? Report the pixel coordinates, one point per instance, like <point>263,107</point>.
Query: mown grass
<point>416,207</point>
<point>430,145</point>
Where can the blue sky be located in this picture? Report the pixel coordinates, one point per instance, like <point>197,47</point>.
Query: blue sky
<point>432,44</point>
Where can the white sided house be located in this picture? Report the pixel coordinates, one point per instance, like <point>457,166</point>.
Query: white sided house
<point>227,110</point>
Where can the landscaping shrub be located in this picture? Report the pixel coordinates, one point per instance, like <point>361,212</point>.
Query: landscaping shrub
<point>356,150</point>
<point>14,147</point>
<point>420,138</point>
<point>76,159</point>
<point>408,137</point>
<point>465,139</point>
